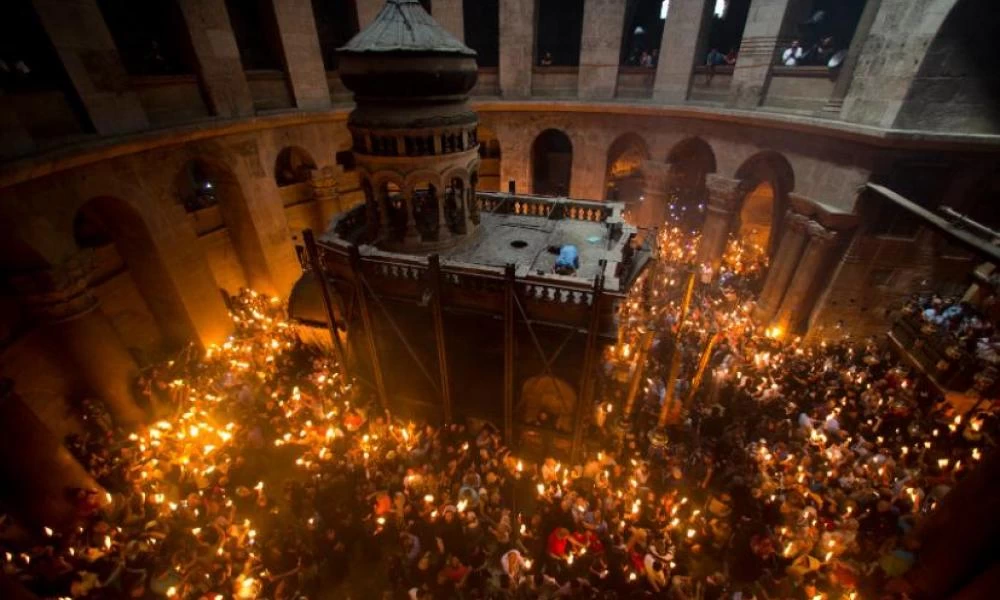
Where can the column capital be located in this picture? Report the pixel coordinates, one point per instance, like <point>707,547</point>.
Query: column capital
<point>723,192</point>
<point>59,293</point>
<point>797,221</point>
<point>819,234</point>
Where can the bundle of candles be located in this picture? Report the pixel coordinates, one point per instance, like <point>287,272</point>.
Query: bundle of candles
<point>797,467</point>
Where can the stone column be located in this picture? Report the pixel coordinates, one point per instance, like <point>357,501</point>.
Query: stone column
<point>517,47</point>
<point>303,57</point>
<point>449,14</point>
<point>652,210</point>
<point>443,232</point>
<point>681,49</point>
<point>758,51</point>
<point>35,463</point>
<point>87,51</point>
<point>793,240</point>
<point>803,290</point>
<point>723,194</point>
<point>367,11</point>
<point>600,48</point>
<point>219,67</point>
<point>61,300</point>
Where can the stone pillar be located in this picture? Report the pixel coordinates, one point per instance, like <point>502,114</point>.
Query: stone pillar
<point>82,334</point>
<point>412,234</point>
<point>779,274</point>
<point>758,51</point>
<point>854,52</point>
<point>219,67</point>
<point>303,57</point>
<point>77,30</point>
<point>367,11</point>
<point>35,463</point>
<point>443,232</point>
<point>449,14</point>
<point>806,283</point>
<point>652,210</point>
<point>325,192</point>
<point>517,47</point>
<point>600,49</point>
<point>681,49</point>
<point>723,197</point>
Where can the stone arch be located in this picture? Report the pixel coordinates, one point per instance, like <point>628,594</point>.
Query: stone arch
<point>551,163</point>
<point>423,191</point>
<point>110,220</point>
<point>623,179</point>
<point>387,193</point>
<point>293,165</point>
<point>457,196</point>
<point>689,162</point>
<point>767,179</point>
<point>552,395</point>
<point>952,72</point>
<point>217,182</point>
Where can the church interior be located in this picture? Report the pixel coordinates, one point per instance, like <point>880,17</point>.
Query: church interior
<point>499,299</point>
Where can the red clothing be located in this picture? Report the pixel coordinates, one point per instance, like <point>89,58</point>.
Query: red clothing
<point>556,545</point>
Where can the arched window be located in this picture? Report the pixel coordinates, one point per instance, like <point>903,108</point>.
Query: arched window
<point>293,165</point>
<point>551,163</point>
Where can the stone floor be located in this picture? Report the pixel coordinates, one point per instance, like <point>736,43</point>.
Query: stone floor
<point>526,241</point>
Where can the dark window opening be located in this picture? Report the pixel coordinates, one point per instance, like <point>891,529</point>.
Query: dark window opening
<point>336,24</point>
<point>151,36</point>
<point>725,32</point>
<point>256,34</point>
<point>820,33</point>
<point>560,28</point>
<point>482,30</point>
<point>345,158</point>
<point>644,23</point>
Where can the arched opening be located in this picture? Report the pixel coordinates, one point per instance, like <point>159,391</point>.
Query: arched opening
<point>220,215</point>
<point>424,197</point>
<point>549,401</point>
<point>755,218</point>
<point>393,206</point>
<point>123,245</point>
<point>559,32</point>
<point>690,161</point>
<point>644,23</point>
<point>482,30</point>
<point>489,160</point>
<point>293,165</point>
<point>725,32</point>
<point>954,74</point>
<point>551,163</point>
<point>455,205</point>
<point>623,181</point>
<point>769,179</point>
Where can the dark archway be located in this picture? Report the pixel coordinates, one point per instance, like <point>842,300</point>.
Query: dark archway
<point>623,180</point>
<point>293,165</point>
<point>769,179</point>
<point>551,163</point>
<point>691,159</point>
<point>955,90</point>
<point>220,202</point>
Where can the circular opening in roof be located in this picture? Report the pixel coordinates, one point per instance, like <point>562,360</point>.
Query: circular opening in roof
<point>519,244</point>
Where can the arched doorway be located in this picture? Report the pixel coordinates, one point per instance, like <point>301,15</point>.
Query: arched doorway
<point>623,181</point>
<point>690,161</point>
<point>551,163</point>
<point>293,166</point>
<point>220,215</point>
<point>768,179</point>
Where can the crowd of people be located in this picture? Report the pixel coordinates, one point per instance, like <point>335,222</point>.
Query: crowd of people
<point>792,471</point>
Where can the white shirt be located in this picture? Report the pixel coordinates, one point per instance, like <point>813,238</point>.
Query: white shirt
<point>791,56</point>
